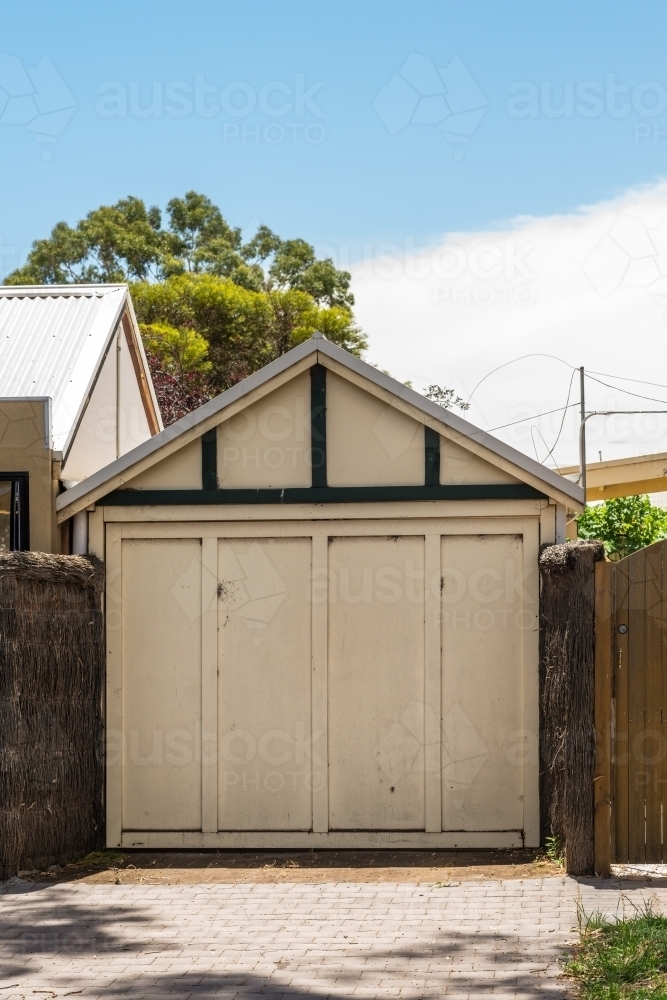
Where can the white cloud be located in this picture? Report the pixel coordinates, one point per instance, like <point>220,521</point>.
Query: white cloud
<point>590,288</point>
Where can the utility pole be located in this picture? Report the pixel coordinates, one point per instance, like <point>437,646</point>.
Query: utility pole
<point>582,435</point>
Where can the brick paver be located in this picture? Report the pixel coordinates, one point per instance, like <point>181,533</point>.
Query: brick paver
<point>336,940</point>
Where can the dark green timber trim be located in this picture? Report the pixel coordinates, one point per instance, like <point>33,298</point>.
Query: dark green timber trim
<point>327,494</point>
<point>318,426</point>
<point>209,460</point>
<point>432,457</point>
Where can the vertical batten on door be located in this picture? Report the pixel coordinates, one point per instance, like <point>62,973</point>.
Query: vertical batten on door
<point>114,719</point>
<point>319,604</point>
<point>209,685</point>
<point>432,684</point>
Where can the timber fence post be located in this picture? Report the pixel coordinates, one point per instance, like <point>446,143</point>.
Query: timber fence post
<point>567,698</point>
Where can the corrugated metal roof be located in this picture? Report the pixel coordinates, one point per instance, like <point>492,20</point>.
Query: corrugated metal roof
<point>52,339</point>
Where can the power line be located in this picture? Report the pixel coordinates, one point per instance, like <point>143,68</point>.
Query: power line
<point>533,416</point>
<point>617,388</point>
<point>513,361</point>
<point>569,405</point>
<point>560,429</point>
<point>589,374</point>
<point>534,428</point>
<point>562,423</point>
<point>626,378</point>
<point>607,413</point>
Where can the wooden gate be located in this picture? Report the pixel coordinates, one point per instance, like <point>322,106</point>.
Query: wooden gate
<point>631,709</point>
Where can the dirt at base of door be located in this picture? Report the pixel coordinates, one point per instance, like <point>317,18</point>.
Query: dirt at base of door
<point>206,867</point>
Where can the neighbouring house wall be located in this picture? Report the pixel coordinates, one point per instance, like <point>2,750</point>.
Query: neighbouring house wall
<point>25,447</point>
<point>94,442</point>
<point>114,420</point>
<point>51,673</point>
<point>133,422</point>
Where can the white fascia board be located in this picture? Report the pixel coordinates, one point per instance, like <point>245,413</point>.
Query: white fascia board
<point>144,360</point>
<point>552,481</point>
<point>92,356</point>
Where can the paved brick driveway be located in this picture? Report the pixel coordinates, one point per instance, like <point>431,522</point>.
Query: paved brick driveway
<point>334,939</point>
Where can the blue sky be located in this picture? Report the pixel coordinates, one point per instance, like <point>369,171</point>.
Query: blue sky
<point>375,130</point>
<point>347,181</point>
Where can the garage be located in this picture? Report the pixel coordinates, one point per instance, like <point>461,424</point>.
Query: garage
<point>322,619</point>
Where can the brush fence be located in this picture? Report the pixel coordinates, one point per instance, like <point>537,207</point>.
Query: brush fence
<point>51,683</point>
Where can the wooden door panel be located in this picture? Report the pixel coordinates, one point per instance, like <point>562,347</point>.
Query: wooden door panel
<point>268,758</point>
<point>482,682</point>
<point>161,684</point>
<point>376,683</point>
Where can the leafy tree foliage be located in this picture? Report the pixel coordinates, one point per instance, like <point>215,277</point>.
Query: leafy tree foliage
<point>118,242</point>
<point>178,351</point>
<point>243,329</point>
<point>212,308</point>
<point>178,393</point>
<point>624,524</point>
<point>446,398</point>
<point>127,242</point>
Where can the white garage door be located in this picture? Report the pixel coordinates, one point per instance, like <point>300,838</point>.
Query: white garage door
<point>348,683</point>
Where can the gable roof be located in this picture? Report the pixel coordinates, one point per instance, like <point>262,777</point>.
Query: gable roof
<point>307,353</point>
<point>54,339</point>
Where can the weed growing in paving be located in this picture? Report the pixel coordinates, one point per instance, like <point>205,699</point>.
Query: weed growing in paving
<point>621,959</point>
<point>554,851</point>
